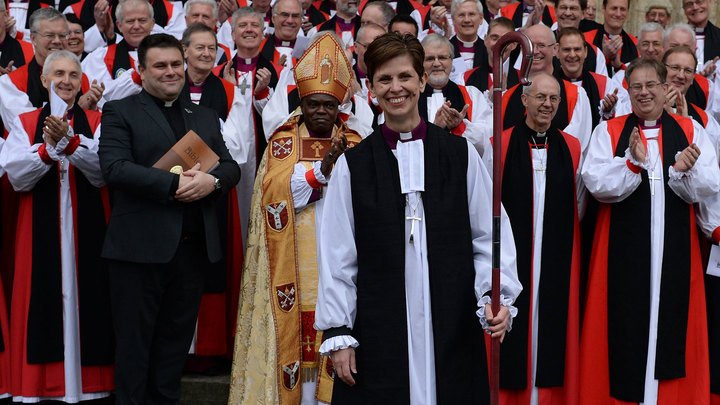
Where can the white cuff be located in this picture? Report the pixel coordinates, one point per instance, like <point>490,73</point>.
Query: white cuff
<point>629,156</point>
<point>606,115</point>
<point>319,176</point>
<point>506,302</point>
<point>337,343</point>
<point>676,175</point>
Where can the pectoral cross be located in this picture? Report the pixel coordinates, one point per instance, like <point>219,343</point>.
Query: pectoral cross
<point>412,227</point>
<point>316,147</point>
<point>244,86</point>
<point>63,170</point>
<point>652,178</point>
<point>412,218</point>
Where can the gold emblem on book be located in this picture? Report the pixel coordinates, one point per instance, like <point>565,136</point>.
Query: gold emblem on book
<point>176,169</point>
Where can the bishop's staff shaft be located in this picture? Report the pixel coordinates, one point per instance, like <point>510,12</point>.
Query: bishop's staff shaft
<point>498,50</point>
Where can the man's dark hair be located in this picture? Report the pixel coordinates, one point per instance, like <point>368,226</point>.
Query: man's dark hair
<point>647,63</point>
<point>605,4</point>
<point>582,3</point>
<point>72,18</point>
<point>570,31</point>
<point>679,49</point>
<point>195,28</point>
<point>503,22</point>
<point>387,12</point>
<point>391,45</point>
<point>157,41</point>
<point>405,19</point>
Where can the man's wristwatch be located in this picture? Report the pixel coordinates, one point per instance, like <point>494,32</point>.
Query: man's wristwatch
<point>218,185</point>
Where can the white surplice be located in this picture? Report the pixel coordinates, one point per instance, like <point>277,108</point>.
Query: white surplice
<point>610,180</point>
<point>337,259</point>
<point>24,167</point>
<point>539,164</point>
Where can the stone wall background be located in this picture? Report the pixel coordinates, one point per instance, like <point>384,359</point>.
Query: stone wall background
<point>636,16</point>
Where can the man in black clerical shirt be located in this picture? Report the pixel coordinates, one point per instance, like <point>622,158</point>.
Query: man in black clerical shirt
<point>163,229</point>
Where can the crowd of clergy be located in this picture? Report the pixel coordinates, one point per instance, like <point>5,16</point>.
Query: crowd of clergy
<point>610,191</point>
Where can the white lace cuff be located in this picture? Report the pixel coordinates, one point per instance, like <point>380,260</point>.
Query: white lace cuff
<point>336,343</point>
<point>676,175</point>
<point>506,302</point>
<point>606,115</point>
<point>629,156</point>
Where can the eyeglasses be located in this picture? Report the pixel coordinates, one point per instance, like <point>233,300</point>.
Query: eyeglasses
<point>540,98</point>
<point>361,44</point>
<point>52,35</point>
<point>646,44</point>
<point>540,46</point>
<point>637,87</point>
<point>690,4</point>
<point>439,58</point>
<point>678,68</point>
<point>657,13</point>
<point>285,16</point>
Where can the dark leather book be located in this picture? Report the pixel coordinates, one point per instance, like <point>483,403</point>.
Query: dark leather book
<point>188,151</point>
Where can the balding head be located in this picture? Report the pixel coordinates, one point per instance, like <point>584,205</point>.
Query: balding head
<point>544,48</point>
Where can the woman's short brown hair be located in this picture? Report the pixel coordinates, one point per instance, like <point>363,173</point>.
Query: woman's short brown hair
<point>390,46</point>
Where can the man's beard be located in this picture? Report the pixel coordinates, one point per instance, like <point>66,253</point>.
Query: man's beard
<point>438,81</point>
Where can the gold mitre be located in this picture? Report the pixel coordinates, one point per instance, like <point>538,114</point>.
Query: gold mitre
<point>323,69</point>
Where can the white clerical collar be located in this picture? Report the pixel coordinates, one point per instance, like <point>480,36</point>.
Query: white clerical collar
<point>468,44</point>
<point>347,20</point>
<point>248,61</point>
<point>699,30</point>
<point>405,135</point>
<point>437,91</point>
<point>648,124</point>
<point>541,134</point>
<point>285,43</point>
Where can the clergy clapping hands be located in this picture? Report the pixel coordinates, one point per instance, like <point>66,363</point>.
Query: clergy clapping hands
<point>55,129</point>
<point>637,148</point>
<point>448,117</point>
<point>684,161</point>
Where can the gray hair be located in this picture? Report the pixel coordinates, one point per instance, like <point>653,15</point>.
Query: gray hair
<point>44,14</point>
<point>279,1</point>
<point>682,27</point>
<point>245,12</point>
<point>457,3</point>
<point>210,3</point>
<point>121,5</point>
<point>439,39</point>
<point>650,27</point>
<point>60,54</point>
<point>663,4</point>
<point>387,12</point>
<point>368,26</point>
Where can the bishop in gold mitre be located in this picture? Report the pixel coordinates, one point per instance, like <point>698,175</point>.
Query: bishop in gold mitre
<point>276,358</point>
